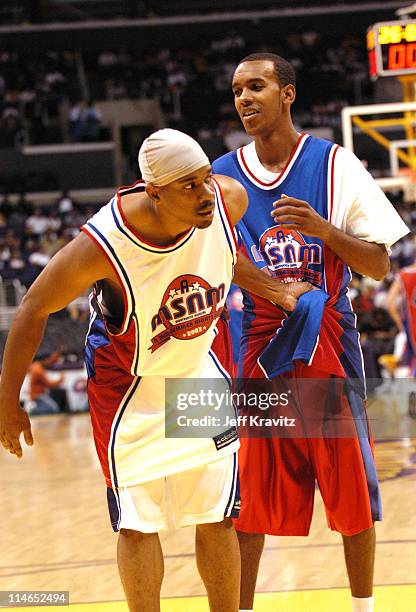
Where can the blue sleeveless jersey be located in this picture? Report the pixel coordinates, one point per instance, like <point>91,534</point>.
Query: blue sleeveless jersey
<point>288,255</point>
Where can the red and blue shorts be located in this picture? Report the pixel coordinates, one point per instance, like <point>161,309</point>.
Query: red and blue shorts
<point>278,474</point>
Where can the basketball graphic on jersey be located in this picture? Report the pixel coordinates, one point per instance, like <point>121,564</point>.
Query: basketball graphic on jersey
<point>190,305</point>
<point>288,256</point>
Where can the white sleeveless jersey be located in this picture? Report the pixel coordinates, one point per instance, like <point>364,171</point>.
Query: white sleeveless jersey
<point>173,294</point>
<point>173,297</point>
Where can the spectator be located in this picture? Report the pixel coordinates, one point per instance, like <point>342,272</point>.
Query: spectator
<point>37,223</point>
<point>65,204</point>
<point>40,384</point>
<point>10,128</point>
<point>75,121</point>
<point>39,258</point>
<point>91,121</point>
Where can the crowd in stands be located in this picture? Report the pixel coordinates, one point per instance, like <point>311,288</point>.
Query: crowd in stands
<point>35,88</point>
<point>30,236</point>
<point>193,84</point>
<point>42,100</point>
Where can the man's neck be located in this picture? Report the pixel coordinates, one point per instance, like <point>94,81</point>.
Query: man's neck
<point>142,214</point>
<point>275,149</point>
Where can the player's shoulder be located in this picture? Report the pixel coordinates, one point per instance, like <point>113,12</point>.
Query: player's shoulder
<point>343,158</point>
<point>234,195</point>
<point>347,161</point>
<point>230,187</point>
<point>223,163</point>
<point>321,144</point>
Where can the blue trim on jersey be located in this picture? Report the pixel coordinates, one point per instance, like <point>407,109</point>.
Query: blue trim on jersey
<point>234,493</point>
<point>136,361</point>
<point>222,370</point>
<point>117,423</point>
<point>96,338</point>
<point>139,244</point>
<point>113,502</point>
<point>113,253</point>
<point>231,433</point>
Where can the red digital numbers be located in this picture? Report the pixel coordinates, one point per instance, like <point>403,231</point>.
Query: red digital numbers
<point>402,57</point>
<point>373,63</point>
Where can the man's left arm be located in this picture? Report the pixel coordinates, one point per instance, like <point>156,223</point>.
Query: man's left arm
<point>367,258</point>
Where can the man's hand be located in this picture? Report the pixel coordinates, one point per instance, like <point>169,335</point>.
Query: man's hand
<point>260,282</point>
<point>299,215</point>
<point>287,294</point>
<point>12,424</point>
<point>367,258</point>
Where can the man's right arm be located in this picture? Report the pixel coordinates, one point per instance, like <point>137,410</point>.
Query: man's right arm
<point>69,273</point>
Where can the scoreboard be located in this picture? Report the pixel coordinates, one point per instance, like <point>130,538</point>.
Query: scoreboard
<point>391,47</point>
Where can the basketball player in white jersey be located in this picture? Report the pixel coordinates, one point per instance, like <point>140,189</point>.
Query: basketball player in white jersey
<point>160,255</point>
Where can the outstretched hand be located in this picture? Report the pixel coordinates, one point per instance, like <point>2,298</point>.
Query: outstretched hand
<point>299,215</point>
<point>12,424</point>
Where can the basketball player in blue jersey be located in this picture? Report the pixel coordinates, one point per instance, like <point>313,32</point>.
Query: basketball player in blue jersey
<point>313,212</point>
<point>160,255</point>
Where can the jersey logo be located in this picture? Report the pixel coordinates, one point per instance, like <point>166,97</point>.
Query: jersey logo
<point>189,307</point>
<point>288,256</point>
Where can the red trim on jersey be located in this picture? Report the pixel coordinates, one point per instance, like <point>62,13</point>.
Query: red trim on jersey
<point>331,202</point>
<point>126,308</point>
<point>140,181</point>
<point>301,138</point>
<point>139,237</point>
<point>232,230</point>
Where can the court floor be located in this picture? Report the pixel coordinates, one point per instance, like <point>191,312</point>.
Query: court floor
<point>56,535</point>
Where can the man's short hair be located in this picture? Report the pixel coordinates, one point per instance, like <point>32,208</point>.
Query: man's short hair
<point>284,71</point>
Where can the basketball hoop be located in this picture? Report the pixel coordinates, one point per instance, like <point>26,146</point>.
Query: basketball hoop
<point>409,186</point>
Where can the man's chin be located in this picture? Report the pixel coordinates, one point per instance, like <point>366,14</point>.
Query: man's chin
<point>204,223</point>
<point>252,127</point>
<point>252,130</point>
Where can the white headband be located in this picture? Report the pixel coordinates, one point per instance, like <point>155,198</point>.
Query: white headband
<point>168,155</point>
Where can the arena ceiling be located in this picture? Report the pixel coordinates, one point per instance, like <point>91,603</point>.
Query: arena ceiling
<point>14,12</point>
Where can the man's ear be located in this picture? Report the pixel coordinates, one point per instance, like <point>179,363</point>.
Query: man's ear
<point>152,191</point>
<point>288,94</point>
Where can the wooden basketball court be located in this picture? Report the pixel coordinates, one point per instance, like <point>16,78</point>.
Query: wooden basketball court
<point>56,535</point>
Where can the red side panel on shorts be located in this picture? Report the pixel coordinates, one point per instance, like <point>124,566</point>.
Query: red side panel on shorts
<point>105,392</point>
<point>222,347</point>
